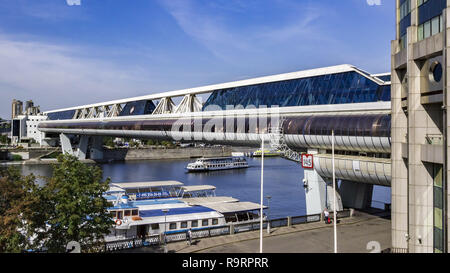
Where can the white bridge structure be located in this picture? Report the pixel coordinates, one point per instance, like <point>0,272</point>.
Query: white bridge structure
<point>295,111</point>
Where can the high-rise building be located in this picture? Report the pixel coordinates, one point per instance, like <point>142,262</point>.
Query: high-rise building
<point>17,108</point>
<point>420,127</point>
<point>29,107</point>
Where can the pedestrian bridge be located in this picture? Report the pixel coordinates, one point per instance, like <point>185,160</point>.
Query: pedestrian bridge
<point>297,111</point>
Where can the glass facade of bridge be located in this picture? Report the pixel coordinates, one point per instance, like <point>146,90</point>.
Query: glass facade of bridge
<point>347,87</point>
<point>61,115</point>
<point>142,107</point>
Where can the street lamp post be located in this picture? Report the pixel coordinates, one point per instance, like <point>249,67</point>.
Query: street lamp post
<point>262,197</point>
<point>268,213</point>
<point>165,211</point>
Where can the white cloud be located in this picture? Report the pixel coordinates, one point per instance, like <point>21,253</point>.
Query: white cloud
<point>54,77</point>
<point>211,26</point>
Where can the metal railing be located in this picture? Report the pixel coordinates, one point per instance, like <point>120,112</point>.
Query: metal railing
<point>154,240</point>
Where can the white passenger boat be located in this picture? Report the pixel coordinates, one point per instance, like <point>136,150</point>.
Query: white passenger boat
<point>195,208</point>
<point>215,164</point>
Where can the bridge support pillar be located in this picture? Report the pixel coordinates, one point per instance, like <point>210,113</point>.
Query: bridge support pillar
<point>315,192</point>
<point>66,146</point>
<point>356,195</point>
<point>97,148</point>
<point>83,147</point>
<point>319,191</point>
<point>330,196</point>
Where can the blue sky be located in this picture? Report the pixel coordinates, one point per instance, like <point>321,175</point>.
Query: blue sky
<point>62,55</point>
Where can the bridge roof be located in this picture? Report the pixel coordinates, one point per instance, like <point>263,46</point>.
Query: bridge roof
<point>209,88</point>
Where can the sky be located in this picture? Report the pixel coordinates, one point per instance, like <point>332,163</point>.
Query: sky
<point>64,53</point>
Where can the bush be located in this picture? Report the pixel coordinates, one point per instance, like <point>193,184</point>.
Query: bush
<point>16,157</point>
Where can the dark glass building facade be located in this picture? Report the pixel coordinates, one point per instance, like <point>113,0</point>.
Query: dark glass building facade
<point>340,88</point>
<point>61,115</point>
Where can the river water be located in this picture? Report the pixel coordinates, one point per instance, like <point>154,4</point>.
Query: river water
<point>282,181</point>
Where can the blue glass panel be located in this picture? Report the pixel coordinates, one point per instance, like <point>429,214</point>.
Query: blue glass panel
<point>431,9</point>
<point>404,24</point>
<point>386,78</point>
<point>348,87</point>
<point>142,107</point>
<point>61,115</point>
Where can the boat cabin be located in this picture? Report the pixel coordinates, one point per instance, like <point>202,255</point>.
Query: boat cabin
<point>238,212</point>
<point>198,191</point>
<point>151,190</point>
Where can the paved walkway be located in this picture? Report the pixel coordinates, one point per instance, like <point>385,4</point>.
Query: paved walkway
<point>354,234</point>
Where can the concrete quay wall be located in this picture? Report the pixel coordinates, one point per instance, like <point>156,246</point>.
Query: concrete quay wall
<point>164,153</point>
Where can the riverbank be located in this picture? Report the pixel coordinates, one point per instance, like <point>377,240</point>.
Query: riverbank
<point>127,154</point>
<point>130,154</point>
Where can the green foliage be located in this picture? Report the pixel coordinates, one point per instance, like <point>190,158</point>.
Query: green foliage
<point>4,139</point>
<point>16,157</point>
<point>151,142</point>
<point>74,205</point>
<point>108,141</point>
<point>167,144</point>
<point>69,207</point>
<point>19,199</point>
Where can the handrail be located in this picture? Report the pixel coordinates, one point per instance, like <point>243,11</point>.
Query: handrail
<point>216,231</point>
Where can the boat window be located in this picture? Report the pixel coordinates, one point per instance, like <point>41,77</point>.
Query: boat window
<point>183,224</point>
<point>113,214</point>
<point>127,212</point>
<point>205,222</point>
<point>215,221</point>
<point>194,223</point>
<point>120,214</point>
<point>135,212</point>
<point>155,226</point>
<point>173,226</point>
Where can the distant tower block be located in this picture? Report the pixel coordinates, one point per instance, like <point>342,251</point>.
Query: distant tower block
<point>17,108</point>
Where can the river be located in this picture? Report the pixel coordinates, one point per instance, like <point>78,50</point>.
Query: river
<point>282,181</point>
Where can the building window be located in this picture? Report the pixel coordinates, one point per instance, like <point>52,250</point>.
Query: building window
<point>405,9</point>
<point>420,33</point>
<point>421,2</point>
<point>430,28</point>
<point>438,207</point>
<point>435,25</point>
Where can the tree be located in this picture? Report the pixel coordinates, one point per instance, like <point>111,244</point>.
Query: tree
<point>108,141</point>
<point>3,139</point>
<point>74,206</point>
<point>19,210</point>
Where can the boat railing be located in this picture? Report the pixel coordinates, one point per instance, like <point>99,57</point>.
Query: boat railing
<point>132,243</point>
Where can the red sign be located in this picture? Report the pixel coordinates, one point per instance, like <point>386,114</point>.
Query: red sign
<point>307,161</point>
